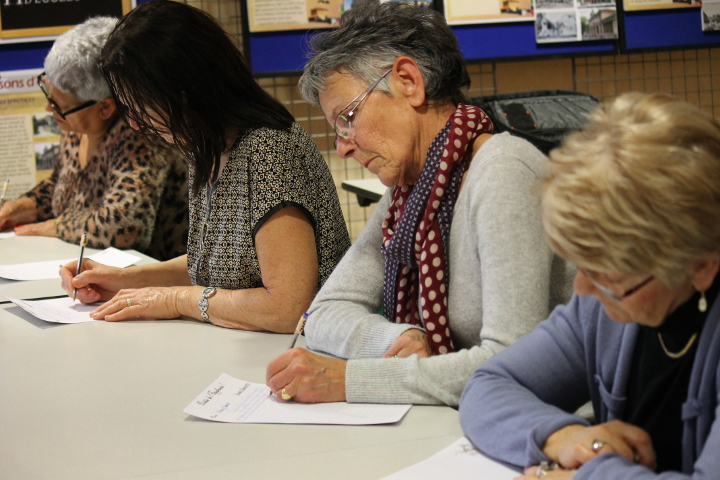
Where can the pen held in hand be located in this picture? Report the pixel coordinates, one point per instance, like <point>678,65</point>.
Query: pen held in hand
<point>83,242</point>
<point>299,330</point>
<point>4,190</point>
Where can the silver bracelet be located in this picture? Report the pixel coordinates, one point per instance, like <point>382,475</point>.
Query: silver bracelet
<point>203,303</point>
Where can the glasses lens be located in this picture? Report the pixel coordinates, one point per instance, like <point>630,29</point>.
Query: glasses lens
<point>343,125</point>
<point>46,92</point>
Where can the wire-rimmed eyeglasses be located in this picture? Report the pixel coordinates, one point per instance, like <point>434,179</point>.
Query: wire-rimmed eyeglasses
<point>54,105</point>
<point>344,120</point>
<point>609,293</point>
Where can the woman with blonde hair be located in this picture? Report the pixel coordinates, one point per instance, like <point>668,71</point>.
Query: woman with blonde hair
<point>634,200</point>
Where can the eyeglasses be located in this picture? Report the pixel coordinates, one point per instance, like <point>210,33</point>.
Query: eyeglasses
<point>54,105</point>
<point>344,121</point>
<point>609,293</point>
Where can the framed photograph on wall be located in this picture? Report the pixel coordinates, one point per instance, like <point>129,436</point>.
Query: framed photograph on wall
<point>36,18</point>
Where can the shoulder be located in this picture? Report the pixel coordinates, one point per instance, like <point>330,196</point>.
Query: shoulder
<point>270,138</point>
<point>505,151</point>
<point>128,146</point>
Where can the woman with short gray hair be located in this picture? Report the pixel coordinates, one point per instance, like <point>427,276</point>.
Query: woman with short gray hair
<point>634,200</point>
<point>453,255</point>
<point>107,181</point>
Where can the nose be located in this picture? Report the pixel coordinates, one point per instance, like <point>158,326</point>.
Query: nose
<point>345,147</point>
<point>48,108</point>
<point>582,285</point>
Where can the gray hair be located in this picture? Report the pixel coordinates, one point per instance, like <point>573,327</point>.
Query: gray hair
<point>372,35</point>
<point>72,64</point>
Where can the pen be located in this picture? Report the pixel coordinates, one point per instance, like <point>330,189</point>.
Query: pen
<point>4,189</point>
<point>83,241</point>
<point>299,330</point>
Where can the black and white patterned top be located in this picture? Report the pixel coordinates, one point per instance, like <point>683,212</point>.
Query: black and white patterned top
<point>267,171</point>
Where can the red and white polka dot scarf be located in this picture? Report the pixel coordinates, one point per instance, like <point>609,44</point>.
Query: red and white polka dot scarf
<point>416,231</point>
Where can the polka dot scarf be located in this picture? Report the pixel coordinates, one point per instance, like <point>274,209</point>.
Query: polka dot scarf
<point>416,231</point>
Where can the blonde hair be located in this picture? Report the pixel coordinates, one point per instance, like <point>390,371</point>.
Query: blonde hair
<point>637,191</point>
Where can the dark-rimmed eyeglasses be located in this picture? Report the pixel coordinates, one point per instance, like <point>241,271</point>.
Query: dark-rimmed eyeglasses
<point>54,105</point>
<point>344,121</point>
<point>609,293</point>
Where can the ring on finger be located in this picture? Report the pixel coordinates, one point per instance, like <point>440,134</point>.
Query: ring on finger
<point>129,302</point>
<point>597,445</point>
<point>285,395</point>
<point>545,467</point>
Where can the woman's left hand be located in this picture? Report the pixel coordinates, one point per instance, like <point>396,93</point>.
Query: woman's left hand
<point>46,229</point>
<point>412,341</point>
<point>151,302</point>
<point>531,473</point>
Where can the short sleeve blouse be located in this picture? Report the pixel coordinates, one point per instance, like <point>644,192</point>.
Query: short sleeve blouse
<point>268,170</point>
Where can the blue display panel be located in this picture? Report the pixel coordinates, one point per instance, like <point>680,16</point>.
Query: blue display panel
<point>666,29</point>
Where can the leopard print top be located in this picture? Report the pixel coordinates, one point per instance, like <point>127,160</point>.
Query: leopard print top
<point>267,171</point>
<point>129,195</point>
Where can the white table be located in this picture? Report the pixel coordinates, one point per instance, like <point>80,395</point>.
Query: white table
<point>25,249</point>
<point>104,401</point>
<point>368,190</point>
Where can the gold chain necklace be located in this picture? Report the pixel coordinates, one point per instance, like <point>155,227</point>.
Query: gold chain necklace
<point>682,352</point>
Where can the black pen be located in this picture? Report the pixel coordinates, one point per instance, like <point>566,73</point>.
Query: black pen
<point>4,189</point>
<point>83,241</point>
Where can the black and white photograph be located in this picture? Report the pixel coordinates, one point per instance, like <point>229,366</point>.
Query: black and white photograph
<point>541,4</point>
<point>45,155</point>
<point>711,16</point>
<point>598,23</point>
<point>44,125</point>
<point>593,3</point>
<point>556,27</point>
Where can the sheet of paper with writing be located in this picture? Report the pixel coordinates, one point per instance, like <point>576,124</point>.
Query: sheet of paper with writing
<point>459,461</point>
<point>8,234</point>
<point>231,400</point>
<point>49,269</point>
<point>57,310</point>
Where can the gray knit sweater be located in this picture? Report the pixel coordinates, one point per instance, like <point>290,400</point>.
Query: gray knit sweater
<point>503,280</point>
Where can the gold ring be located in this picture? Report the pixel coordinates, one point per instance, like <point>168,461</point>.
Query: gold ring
<point>285,395</point>
<point>129,302</point>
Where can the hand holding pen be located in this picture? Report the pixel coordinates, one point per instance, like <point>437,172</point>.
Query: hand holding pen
<point>298,331</point>
<point>83,242</point>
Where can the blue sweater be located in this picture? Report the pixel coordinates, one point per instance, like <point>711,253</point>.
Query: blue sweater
<point>518,398</point>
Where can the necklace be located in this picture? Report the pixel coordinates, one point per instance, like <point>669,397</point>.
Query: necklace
<point>682,352</point>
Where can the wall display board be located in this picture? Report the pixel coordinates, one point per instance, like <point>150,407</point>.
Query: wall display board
<point>575,20</point>
<point>33,18</point>
<point>458,12</point>
<point>666,28</point>
<point>631,5</point>
<point>29,137</point>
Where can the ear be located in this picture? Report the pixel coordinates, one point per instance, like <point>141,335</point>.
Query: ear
<point>705,271</point>
<point>408,81</point>
<point>107,108</point>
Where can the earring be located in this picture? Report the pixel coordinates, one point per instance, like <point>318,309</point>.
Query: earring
<point>702,303</point>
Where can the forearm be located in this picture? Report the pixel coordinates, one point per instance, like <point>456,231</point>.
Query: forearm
<point>254,309</point>
<point>434,380</point>
<point>170,273</point>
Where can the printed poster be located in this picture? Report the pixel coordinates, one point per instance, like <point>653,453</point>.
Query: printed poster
<point>631,5</point>
<point>29,137</point>
<point>459,12</point>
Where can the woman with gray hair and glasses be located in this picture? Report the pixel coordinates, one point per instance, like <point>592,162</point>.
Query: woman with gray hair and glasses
<point>634,200</point>
<point>454,253</point>
<point>107,181</point>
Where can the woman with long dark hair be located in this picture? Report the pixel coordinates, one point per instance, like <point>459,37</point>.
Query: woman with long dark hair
<point>266,227</point>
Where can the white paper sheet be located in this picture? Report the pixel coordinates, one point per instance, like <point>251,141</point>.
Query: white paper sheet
<point>44,270</point>
<point>459,461</point>
<point>8,234</point>
<point>231,400</point>
<point>57,310</point>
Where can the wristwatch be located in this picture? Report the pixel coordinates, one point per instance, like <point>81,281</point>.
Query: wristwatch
<point>203,303</point>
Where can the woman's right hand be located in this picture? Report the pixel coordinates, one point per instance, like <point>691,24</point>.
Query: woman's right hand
<point>575,445</point>
<point>96,282</point>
